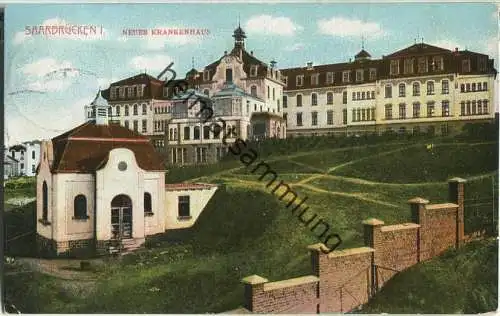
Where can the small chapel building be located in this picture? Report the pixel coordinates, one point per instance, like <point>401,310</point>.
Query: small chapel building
<point>101,188</point>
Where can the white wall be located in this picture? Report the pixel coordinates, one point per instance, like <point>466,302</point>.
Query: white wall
<point>198,199</point>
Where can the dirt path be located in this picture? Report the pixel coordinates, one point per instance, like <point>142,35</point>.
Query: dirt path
<point>67,269</point>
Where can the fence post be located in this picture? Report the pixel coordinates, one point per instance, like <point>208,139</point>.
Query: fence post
<point>456,195</point>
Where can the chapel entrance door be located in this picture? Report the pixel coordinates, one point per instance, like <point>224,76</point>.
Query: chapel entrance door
<point>121,217</point>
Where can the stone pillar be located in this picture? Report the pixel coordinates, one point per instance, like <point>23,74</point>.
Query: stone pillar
<point>417,207</point>
<point>372,231</point>
<point>456,195</point>
<point>254,288</point>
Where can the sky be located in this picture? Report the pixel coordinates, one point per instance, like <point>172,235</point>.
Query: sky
<point>42,101</point>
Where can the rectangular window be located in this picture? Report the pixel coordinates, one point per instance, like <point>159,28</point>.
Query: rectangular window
<point>445,108</point>
<point>353,96</point>
<point>285,80</point>
<point>112,92</point>
<point>329,117</point>
<point>122,92</point>
<point>229,75</point>
<point>253,71</point>
<point>408,67</point>
<point>430,88</point>
<point>402,90</point>
<point>130,92</point>
<point>299,100</point>
<point>32,154</point>
<point>422,64</point>
<point>285,118</point>
<point>285,101</point>
<point>445,87</point>
<point>184,206</point>
<point>314,118</point>
<point>359,75</point>
<point>344,116</point>
<point>346,76</point>
<point>437,63</point>
<point>402,111</point>
<point>344,97</point>
<point>126,124</point>
<point>394,67</point>
<point>373,73</point>
<point>144,126</point>
<point>466,65</point>
<point>416,110</point>
<point>33,169</point>
<point>140,91</point>
<point>136,125</point>
<point>430,109</point>
<point>329,77</point>
<point>299,80</point>
<point>206,75</point>
<point>388,112</point>
<point>388,91</point>
<point>315,79</point>
<point>329,98</point>
<point>299,119</point>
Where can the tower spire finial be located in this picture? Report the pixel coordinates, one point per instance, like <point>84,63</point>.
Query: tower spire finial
<point>362,42</point>
<point>192,62</point>
<point>239,20</point>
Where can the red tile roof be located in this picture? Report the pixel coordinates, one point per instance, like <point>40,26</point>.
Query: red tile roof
<point>85,148</point>
<point>188,186</point>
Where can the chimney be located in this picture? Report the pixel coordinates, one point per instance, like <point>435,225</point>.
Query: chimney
<point>251,52</point>
<point>309,65</point>
<point>456,49</point>
<point>225,52</point>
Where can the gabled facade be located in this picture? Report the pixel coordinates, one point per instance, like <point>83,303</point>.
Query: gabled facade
<point>27,155</point>
<point>421,88</point>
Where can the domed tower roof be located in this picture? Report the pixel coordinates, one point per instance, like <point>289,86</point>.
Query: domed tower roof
<point>99,100</point>
<point>239,37</point>
<point>362,55</point>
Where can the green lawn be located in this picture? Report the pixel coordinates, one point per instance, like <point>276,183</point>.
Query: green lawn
<point>245,230</point>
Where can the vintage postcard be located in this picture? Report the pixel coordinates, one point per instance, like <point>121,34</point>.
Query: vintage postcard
<point>239,157</point>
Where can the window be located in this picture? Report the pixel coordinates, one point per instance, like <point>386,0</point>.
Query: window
<point>80,207</point>
<point>473,86</point>
<point>445,87</point>
<point>130,92</point>
<point>33,169</point>
<point>373,94</point>
<point>196,132</point>
<point>274,95</point>
<point>253,71</point>
<point>394,67</point>
<point>466,65</point>
<point>183,206</point>
<point>408,66</point>
<point>437,63</point>
<point>299,119</point>
<point>268,92</point>
<point>315,79</point>
<point>126,110</point>
<point>314,99</point>
<point>147,203</point>
<point>359,75</point>
<point>187,132</point>
<point>144,109</point>
<point>422,64</point>
<point>430,87</point>
<point>144,126</point>
<point>346,76</point>
<point>462,108</point>
<point>299,99</point>
<point>135,109</point>
<point>122,92</point>
<point>206,75</point>
<point>358,95</point>
<point>329,98</point>
<point>445,108</point>
<point>344,97</point>
<point>353,96</point>
<point>344,116</point>
<point>481,63</point>
<point>126,124</point>
<point>467,87</point>
<point>117,110</point>
<point>388,112</point>
<point>285,101</point>
<point>479,86</point>
<point>285,117</point>
<point>22,166</point>
<point>416,110</point>
<point>299,80</point>
<point>402,111</point>
<point>112,92</point>
<point>373,73</point>
<point>253,91</point>
<point>136,125</point>
<point>140,91</point>
<point>363,95</point>
<point>329,117</point>
<point>45,202</point>
<point>462,88</point>
<point>430,109</point>
<point>485,106</point>
<point>468,110</point>
<point>329,77</point>
<point>416,89</point>
<point>32,154</point>
<point>206,132</point>
<point>285,80</point>
<point>388,91</point>
<point>402,90</point>
<point>314,118</point>
<point>479,107</point>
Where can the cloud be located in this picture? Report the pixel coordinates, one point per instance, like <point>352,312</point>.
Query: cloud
<point>269,25</point>
<point>44,66</point>
<point>152,62</point>
<point>104,83</point>
<point>20,37</point>
<point>295,47</point>
<point>345,27</point>
<point>447,43</point>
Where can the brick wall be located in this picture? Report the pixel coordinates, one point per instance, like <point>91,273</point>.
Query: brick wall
<point>343,280</point>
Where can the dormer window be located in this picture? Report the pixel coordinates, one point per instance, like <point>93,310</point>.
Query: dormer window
<point>437,63</point>
<point>122,92</point>
<point>422,64</point>
<point>373,73</point>
<point>408,66</point>
<point>481,63</point>
<point>329,77</point>
<point>253,71</point>
<point>165,92</point>
<point>130,92</point>
<point>140,91</point>
<point>285,80</point>
<point>206,75</point>
<point>359,75</point>
<point>466,65</point>
<point>299,80</point>
<point>346,76</point>
<point>112,93</point>
<point>314,79</point>
<point>394,67</point>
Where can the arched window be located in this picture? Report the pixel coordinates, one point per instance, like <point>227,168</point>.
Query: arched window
<point>206,132</point>
<point>126,110</point>
<point>229,131</point>
<point>217,130</point>
<point>187,132</point>
<point>402,90</point>
<point>144,109</point>
<point>45,201</point>
<point>196,132</point>
<point>80,207</point>
<point>175,133</point>
<point>171,134</point>
<point>314,99</point>
<point>147,203</point>
<point>416,89</point>
<point>253,91</point>
<point>135,109</point>
<point>430,87</point>
<point>329,98</point>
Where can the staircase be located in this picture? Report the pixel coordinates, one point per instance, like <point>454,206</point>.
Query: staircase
<point>125,246</point>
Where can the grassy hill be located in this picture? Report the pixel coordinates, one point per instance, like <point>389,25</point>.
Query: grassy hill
<point>463,281</point>
<point>246,230</point>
